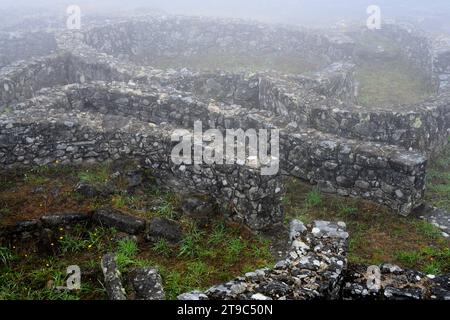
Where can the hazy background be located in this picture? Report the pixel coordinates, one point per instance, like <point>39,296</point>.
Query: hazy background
<point>431,14</point>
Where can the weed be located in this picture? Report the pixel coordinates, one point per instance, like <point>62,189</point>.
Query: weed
<point>162,247</point>
<point>313,199</point>
<point>6,256</point>
<point>218,234</point>
<point>126,253</point>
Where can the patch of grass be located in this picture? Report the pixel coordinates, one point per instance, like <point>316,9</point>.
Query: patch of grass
<point>430,260</point>
<point>191,244</point>
<point>348,210</point>
<point>95,175</point>
<point>235,247</point>
<point>80,240</point>
<point>313,199</point>
<point>218,234</point>
<point>6,256</point>
<point>126,253</point>
<point>428,230</point>
<point>162,248</point>
<point>390,82</point>
<point>36,180</point>
<point>166,208</point>
<point>285,63</point>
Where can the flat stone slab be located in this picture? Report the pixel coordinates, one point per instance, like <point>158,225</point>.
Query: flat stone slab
<point>22,228</point>
<point>119,220</point>
<point>64,219</point>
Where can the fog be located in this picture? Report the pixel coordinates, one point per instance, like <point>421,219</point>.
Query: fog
<point>434,15</point>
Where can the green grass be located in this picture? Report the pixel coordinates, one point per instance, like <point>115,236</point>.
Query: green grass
<point>6,256</point>
<point>206,256</point>
<point>35,180</point>
<point>96,175</point>
<point>162,248</point>
<point>390,83</point>
<point>81,240</point>
<point>284,63</point>
<point>126,254</point>
<point>430,260</point>
<point>313,199</point>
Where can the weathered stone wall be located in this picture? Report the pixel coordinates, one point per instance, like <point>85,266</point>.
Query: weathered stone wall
<point>424,127</point>
<point>20,81</point>
<point>15,47</point>
<point>181,37</point>
<point>442,62</point>
<point>42,131</point>
<point>386,174</point>
<point>374,153</point>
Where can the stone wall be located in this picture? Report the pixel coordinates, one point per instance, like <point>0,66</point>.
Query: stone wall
<point>386,174</point>
<point>423,127</point>
<point>377,153</point>
<point>15,47</point>
<point>180,37</point>
<point>42,132</point>
<point>442,62</point>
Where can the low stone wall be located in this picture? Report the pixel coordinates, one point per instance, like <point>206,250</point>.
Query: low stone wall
<point>394,283</point>
<point>150,38</point>
<point>44,132</point>
<point>423,127</point>
<point>385,174</point>
<point>377,154</point>
<point>442,62</point>
<point>15,47</point>
<point>20,81</point>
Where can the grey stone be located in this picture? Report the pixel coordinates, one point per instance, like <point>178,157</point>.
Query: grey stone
<point>118,220</point>
<point>161,228</point>
<point>112,277</point>
<point>147,284</point>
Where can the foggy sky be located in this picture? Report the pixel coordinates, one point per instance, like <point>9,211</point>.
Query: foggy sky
<point>302,12</point>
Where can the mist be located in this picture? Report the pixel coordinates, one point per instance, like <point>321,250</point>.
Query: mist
<point>432,15</point>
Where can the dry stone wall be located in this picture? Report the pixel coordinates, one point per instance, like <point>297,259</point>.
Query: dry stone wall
<point>377,154</point>
<point>42,131</point>
<point>15,47</point>
<point>181,37</point>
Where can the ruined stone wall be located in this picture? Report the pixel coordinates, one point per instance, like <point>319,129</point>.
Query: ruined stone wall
<point>424,127</point>
<point>42,131</point>
<point>414,43</point>
<point>20,81</point>
<point>180,37</point>
<point>385,174</point>
<point>376,154</point>
<point>15,47</point>
<point>442,62</point>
